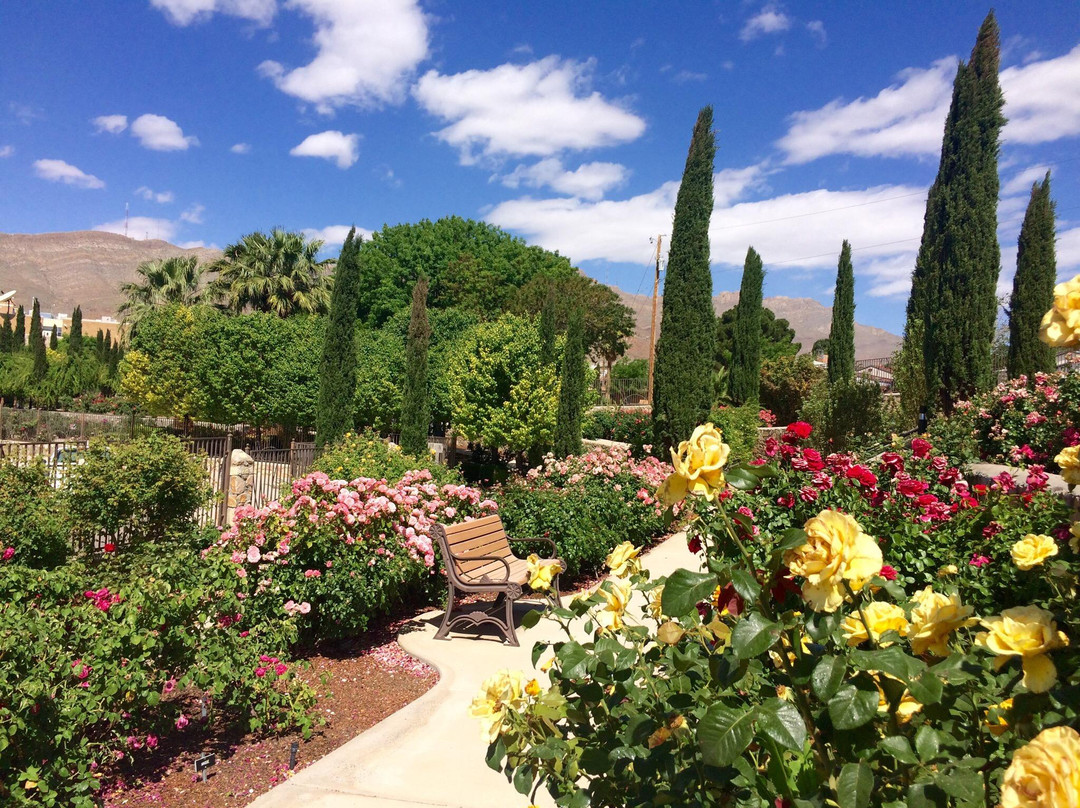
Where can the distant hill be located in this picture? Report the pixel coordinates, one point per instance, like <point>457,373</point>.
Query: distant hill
<point>83,268</point>
<point>809,318</point>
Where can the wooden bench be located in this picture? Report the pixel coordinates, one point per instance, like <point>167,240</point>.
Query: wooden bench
<point>478,559</point>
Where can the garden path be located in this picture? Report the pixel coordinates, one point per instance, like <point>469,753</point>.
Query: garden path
<point>431,753</point>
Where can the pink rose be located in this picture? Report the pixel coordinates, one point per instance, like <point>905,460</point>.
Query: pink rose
<point>253,554</point>
<point>182,721</point>
<point>260,672</point>
<point>280,668</point>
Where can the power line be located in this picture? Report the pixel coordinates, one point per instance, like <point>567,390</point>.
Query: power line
<point>819,212</point>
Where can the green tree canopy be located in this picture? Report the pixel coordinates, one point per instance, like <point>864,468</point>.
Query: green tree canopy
<point>842,330</point>
<point>161,282</point>
<point>571,389</point>
<point>777,337</point>
<point>337,368</point>
<point>1033,286</point>
<point>415,402</point>
<point>37,343</point>
<point>746,349</point>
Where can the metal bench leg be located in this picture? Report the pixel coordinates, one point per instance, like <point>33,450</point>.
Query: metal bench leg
<point>511,635</point>
<point>444,627</point>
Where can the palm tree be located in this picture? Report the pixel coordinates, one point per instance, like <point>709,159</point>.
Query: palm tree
<point>161,282</point>
<point>276,272</point>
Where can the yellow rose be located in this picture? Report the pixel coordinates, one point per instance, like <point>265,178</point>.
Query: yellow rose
<point>1074,542</point>
<point>999,725</point>
<point>699,464</point>
<point>1069,460</point>
<point>616,594</point>
<point>532,688</point>
<point>1044,773</point>
<point>1027,632</point>
<point>1033,550</point>
<point>881,616</point>
<point>1060,326</point>
<point>655,597</point>
<point>947,570</point>
<point>623,560</point>
<point>542,572</point>
<point>836,551</point>
<point>908,707</point>
<point>934,617</point>
<point>499,693</point>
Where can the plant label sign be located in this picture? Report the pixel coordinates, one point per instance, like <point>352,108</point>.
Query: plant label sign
<point>203,763</point>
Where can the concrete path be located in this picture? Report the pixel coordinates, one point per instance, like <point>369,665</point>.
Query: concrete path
<point>430,753</point>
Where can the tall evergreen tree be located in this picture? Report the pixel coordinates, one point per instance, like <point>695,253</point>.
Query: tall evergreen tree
<point>54,338</point>
<point>954,286</point>
<point>683,384</point>
<point>571,388</point>
<point>75,335</point>
<point>842,331</point>
<point>547,330</point>
<point>746,351</point>
<point>1033,286</point>
<point>99,344</point>
<point>108,345</point>
<point>7,336</point>
<point>20,329</point>
<point>415,398</point>
<point>337,369</point>
<point>37,343</point>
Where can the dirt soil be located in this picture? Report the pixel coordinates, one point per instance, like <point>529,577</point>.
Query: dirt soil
<point>365,683</point>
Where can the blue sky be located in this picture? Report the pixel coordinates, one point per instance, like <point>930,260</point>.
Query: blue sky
<point>565,123</point>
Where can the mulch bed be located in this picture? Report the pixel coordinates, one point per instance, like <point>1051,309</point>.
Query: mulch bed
<point>365,681</point>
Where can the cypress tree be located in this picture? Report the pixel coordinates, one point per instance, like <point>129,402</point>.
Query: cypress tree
<point>683,383</point>
<point>571,388</point>
<point>20,329</point>
<point>37,343</point>
<point>746,352</point>
<point>1033,286</point>
<point>954,286</point>
<point>415,399</point>
<point>547,330</point>
<point>99,344</point>
<point>337,369</point>
<point>842,331</point>
<point>54,338</point>
<point>75,335</point>
<point>7,336</point>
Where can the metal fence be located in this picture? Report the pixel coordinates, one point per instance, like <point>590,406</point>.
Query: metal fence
<point>622,392</point>
<point>58,457</point>
<point>215,454</point>
<point>277,468</point>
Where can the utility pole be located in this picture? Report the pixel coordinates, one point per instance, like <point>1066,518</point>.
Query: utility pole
<point>652,328</point>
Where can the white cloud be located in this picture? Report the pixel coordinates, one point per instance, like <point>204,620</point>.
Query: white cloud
<point>367,51</point>
<point>1022,181</point>
<point>1068,250</point>
<point>194,214</point>
<point>113,124</point>
<point>534,109</point>
<point>588,181</point>
<point>331,145</point>
<point>684,76</point>
<point>333,235</point>
<point>159,133</point>
<point>161,197</point>
<point>817,31</point>
<point>1042,103</point>
<point>7,151</point>
<point>142,227</point>
<point>240,148</point>
<point>1042,99</point>
<point>59,171</point>
<point>191,245</point>
<point>770,21</point>
<point>185,12</point>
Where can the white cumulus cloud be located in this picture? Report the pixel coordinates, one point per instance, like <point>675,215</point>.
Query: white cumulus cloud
<point>185,12</point>
<point>367,51</point>
<point>1068,250</point>
<point>771,20</point>
<point>589,181</point>
<point>194,214</point>
<point>1021,182</point>
<point>142,227</point>
<point>333,235</point>
<point>7,151</point>
<point>1042,99</point>
<point>159,133</point>
<point>161,197</point>
<point>59,171</point>
<point>113,124</point>
<point>240,148</point>
<point>330,145</point>
<point>536,109</point>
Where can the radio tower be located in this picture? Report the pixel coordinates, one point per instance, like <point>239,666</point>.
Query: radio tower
<point>126,207</point>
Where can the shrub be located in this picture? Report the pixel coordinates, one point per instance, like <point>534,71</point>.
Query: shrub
<point>33,523</point>
<point>786,382</point>
<point>365,454</point>
<point>845,415</point>
<point>147,489</point>
<point>740,427</point>
<point>100,661</point>
<point>626,426</point>
<point>342,554</point>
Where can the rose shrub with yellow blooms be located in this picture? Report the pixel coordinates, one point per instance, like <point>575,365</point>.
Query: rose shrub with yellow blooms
<point>798,667</point>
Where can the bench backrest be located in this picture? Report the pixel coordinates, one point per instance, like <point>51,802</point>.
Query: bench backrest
<point>480,537</point>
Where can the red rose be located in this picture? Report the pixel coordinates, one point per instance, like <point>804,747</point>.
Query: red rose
<point>920,448</point>
<point>694,545</point>
<point>109,547</point>
<point>800,429</point>
<point>888,573</point>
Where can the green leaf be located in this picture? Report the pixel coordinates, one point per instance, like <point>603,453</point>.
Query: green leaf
<point>927,689</point>
<point>791,538</point>
<point>723,734</point>
<point>684,589</point>
<point>926,795</point>
<point>573,660</point>
<point>853,705</point>
<point>780,720</point>
<point>821,626</point>
<point>962,783</point>
<point>531,618</point>
<point>827,677</point>
<point>927,743</point>
<point>765,471</point>
<point>496,753</point>
<point>753,635</point>
<point>897,746</point>
<point>892,661</point>
<point>854,785</point>
<point>745,584</point>
<point>741,479</point>
<point>523,779</point>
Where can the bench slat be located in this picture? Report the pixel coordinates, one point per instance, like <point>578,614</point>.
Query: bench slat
<point>468,530</point>
<point>485,545</point>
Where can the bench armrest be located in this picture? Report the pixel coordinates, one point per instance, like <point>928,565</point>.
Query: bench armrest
<point>500,559</point>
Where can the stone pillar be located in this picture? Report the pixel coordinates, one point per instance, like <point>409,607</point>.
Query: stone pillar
<point>241,479</point>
